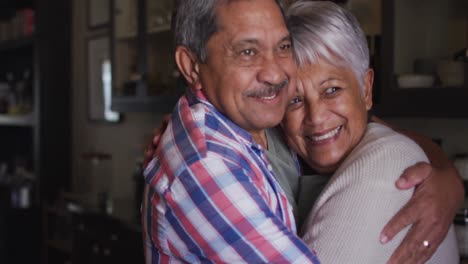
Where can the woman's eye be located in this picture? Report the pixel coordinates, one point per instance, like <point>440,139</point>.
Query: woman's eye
<point>331,90</point>
<point>296,100</point>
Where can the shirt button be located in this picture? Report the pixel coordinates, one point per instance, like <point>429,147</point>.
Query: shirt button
<point>269,167</point>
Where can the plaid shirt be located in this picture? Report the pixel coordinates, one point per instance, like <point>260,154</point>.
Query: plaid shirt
<point>211,195</point>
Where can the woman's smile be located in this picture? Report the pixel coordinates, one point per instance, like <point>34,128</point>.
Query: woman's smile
<point>325,137</point>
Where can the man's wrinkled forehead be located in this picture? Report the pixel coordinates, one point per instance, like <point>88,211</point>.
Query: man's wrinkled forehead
<point>278,3</point>
<point>230,5</point>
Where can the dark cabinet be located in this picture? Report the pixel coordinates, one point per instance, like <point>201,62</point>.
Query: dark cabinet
<point>89,237</point>
<point>100,239</point>
<point>34,118</point>
<point>18,102</point>
<point>144,72</point>
<point>35,96</point>
<point>19,236</point>
<point>424,64</point>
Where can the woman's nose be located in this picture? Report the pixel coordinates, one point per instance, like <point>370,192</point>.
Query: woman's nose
<point>315,114</point>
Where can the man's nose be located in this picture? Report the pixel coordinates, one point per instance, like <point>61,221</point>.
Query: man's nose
<point>272,71</point>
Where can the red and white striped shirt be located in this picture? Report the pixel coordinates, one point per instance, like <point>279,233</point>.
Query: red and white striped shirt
<point>212,196</point>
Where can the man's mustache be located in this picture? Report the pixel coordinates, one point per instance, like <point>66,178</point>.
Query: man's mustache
<point>268,90</point>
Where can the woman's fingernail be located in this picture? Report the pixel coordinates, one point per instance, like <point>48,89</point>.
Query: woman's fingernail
<point>383,239</point>
<point>401,182</point>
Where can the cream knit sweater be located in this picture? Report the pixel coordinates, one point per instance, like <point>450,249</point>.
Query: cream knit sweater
<point>345,223</point>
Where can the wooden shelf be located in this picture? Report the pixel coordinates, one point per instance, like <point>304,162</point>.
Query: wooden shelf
<point>159,104</point>
<point>61,245</point>
<point>17,120</point>
<point>159,29</point>
<point>151,31</point>
<point>17,43</point>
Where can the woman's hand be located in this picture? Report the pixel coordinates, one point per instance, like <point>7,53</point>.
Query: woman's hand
<point>438,195</point>
<point>151,148</point>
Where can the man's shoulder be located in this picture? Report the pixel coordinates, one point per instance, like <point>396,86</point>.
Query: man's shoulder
<point>196,131</point>
<point>184,143</point>
<point>186,134</point>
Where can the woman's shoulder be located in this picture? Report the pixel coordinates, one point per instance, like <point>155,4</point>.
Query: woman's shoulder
<point>383,151</point>
<point>378,134</point>
<point>380,138</point>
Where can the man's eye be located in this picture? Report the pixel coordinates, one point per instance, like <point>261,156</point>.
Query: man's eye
<point>286,46</point>
<point>248,52</point>
<point>285,50</point>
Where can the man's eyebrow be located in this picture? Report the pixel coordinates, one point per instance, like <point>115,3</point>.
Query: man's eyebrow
<point>248,41</point>
<point>256,41</point>
<point>286,38</point>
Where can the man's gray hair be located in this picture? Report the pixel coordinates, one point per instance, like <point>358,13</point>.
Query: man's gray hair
<point>194,22</point>
<point>323,29</point>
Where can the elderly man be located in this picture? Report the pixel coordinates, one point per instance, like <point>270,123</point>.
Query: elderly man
<point>212,195</point>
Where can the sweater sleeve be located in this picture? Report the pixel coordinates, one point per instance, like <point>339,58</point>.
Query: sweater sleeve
<point>345,224</point>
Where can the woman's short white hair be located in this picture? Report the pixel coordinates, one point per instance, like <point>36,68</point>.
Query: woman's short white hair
<point>323,29</point>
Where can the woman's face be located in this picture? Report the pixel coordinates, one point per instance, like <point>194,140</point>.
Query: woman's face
<point>327,115</point>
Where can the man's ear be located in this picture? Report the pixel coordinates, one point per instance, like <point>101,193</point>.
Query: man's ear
<point>188,66</point>
<point>368,83</point>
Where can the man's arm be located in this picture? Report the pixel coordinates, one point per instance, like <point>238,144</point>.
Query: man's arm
<point>438,195</point>
<point>220,212</point>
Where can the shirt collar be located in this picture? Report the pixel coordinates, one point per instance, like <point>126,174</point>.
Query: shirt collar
<point>242,134</point>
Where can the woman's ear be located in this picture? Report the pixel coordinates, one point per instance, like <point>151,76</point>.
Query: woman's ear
<point>368,82</point>
<point>188,66</point>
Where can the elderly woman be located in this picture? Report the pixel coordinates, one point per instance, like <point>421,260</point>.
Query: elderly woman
<point>327,125</point>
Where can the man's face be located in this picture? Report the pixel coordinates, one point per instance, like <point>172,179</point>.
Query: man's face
<point>249,58</point>
<point>327,117</point>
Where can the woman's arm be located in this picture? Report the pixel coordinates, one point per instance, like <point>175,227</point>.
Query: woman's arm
<point>360,199</point>
<point>438,195</point>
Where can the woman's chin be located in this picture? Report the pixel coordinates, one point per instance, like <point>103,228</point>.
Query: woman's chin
<point>325,165</point>
<point>324,168</point>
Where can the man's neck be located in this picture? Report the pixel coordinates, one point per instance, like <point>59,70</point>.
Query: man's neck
<point>260,138</point>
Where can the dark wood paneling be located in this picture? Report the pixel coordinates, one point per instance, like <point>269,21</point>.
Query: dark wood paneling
<point>54,49</point>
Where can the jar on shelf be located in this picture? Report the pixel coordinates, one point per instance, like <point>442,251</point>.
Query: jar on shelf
<point>461,163</point>
<point>461,230</point>
<point>4,93</point>
<point>96,180</point>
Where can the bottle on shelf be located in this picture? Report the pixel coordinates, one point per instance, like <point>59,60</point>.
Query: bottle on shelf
<point>12,94</point>
<point>20,24</point>
<point>130,86</point>
<point>21,181</point>
<point>461,55</point>
<point>4,92</point>
<point>24,93</point>
<point>21,195</point>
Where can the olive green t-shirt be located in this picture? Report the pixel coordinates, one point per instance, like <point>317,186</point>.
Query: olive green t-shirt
<point>301,191</point>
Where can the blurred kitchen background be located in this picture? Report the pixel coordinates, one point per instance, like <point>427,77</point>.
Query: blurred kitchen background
<point>83,84</point>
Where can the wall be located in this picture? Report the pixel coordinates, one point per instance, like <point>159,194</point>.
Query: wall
<point>441,19</point>
<point>436,28</point>
<point>453,132</point>
<point>124,141</point>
